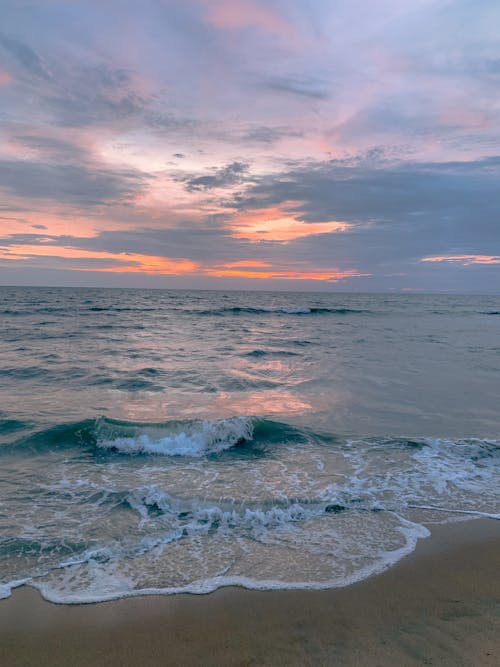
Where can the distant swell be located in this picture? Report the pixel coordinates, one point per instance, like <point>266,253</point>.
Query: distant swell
<point>239,310</point>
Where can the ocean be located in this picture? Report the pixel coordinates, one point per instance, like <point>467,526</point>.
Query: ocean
<point>163,442</point>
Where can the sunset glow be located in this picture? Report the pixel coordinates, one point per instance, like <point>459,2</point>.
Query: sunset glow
<point>331,143</point>
<point>276,224</point>
<point>264,274</point>
<point>125,262</point>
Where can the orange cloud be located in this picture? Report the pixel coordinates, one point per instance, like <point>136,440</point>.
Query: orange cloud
<point>129,262</point>
<point>465,260</point>
<point>244,13</point>
<point>125,262</point>
<point>278,224</point>
<point>262,271</point>
<point>248,263</point>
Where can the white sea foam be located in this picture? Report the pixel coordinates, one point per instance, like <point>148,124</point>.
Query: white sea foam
<point>364,512</point>
<point>6,588</point>
<point>196,439</point>
<point>105,581</point>
<point>197,515</point>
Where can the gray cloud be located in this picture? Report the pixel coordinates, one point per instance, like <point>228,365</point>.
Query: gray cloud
<point>397,212</point>
<point>71,184</point>
<point>269,135</point>
<point>77,94</point>
<point>231,174</point>
<point>28,238</point>
<point>60,149</point>
<point>298,85</point>
<point>197,242</point>
<point>364,193</point>
<point>26,57</point>
<point>92,95</point>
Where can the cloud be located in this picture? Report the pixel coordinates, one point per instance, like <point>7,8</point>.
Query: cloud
<point>364,193</point>
<point>112,262</point>
<point>5,78</point>
<point>304,86</point>
<point>278,224</point>
<point>92,95</point>
<point>26,57</point>
<point>465,260</point>
<point>197,242</point>
<point>265,271</point>
<point>60,149</point>
<point>200,130</point>
<point>240,14</point>
<point>231,174</point>
<point>74,254</point>
<point>77,185</point>
<point>393,214</point>
<point>269,135</point>
<point>93,92</point>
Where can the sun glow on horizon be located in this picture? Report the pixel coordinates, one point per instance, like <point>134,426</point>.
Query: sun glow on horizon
<point>279,224</point>
<point>126,262</point>
<point>79,259</point>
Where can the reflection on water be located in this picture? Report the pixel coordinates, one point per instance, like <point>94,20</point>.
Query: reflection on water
<point>165,441</point>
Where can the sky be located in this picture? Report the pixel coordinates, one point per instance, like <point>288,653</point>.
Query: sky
<point>338,145</point>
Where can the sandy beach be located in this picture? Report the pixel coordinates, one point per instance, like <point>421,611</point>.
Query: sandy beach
<point>438,606</point>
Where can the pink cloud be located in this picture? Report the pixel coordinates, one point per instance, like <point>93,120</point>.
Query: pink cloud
<point>465,260</point>
<point>129,262</point>
<point>231,14</point>
<point>5,78</point>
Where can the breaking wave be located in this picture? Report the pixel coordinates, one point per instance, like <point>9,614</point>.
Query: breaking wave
<point>194,439</point>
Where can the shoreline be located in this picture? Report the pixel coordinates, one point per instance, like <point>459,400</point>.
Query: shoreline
<point>438,605</point>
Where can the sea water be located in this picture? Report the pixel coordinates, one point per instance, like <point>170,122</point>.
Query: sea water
<point>178,441</point>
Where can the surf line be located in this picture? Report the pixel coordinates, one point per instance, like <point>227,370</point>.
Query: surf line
<point>486,515</point>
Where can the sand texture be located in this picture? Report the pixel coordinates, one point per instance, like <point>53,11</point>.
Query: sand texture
<point>438,606</point>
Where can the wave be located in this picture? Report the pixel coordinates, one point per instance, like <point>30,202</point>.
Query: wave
<point>107,585</point>
<point>47,310</point>
<point>194,439</point>
<point>8,426</point>
<point>195,515</point>
<point>241,310</point>
<point>199,437</point>
<point>115,309</point>
<point>228,310</point>
<point>270,353</point>
<point>134,527</point>
<point>101,573</point>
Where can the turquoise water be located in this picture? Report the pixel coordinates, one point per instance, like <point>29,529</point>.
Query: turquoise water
<point>168,441</point>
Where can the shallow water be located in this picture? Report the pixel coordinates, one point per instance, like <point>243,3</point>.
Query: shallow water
<point>166,441</point>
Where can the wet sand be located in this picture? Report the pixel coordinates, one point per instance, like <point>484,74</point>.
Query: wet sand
<point>438,606</point>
